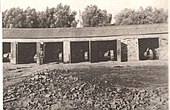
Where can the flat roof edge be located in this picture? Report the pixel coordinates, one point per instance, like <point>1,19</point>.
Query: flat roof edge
<point>84,32</point>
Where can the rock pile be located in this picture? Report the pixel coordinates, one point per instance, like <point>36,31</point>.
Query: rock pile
<point>56,89</point>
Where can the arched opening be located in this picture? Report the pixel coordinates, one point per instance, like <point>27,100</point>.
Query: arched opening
<point>148,48</point>
<point>103,51</point>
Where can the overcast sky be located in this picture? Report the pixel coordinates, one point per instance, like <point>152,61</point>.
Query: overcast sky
<point>112,6</point>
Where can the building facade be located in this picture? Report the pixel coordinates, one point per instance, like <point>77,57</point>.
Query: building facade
<point>88,44</point>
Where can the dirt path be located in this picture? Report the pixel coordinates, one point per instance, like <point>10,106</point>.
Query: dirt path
<point>15,73</point>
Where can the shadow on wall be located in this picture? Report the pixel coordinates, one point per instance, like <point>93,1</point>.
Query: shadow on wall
<point>124,52</point>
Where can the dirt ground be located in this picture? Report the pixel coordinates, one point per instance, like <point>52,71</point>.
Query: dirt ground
<point>134,76</point>
<point>150,70</point>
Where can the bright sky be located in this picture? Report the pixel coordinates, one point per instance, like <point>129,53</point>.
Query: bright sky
<point>112,6</point>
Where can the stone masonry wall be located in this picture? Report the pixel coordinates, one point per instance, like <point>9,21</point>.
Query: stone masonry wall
<point>130,47</point>
<point>163,47</point>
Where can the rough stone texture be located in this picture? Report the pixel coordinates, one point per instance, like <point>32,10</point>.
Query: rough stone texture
<point>128,35</point>
<point>163,50</point>
<point>129,48</point>
<point>58,90</point>
<point>124,50</point>
<point>14,51</point>
<point>119,50</point>
<point>66,53</point>
<point>132,48</point>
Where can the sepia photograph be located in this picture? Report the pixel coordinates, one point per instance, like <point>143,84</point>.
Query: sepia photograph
<point>84,54</point>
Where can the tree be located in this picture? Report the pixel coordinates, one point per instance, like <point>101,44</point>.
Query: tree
<point>11,16</point>
<point>31,20</point>
<point>141,16</point>
<point>92,17</point>
<point>58,17</point>
<point>19,18</point>
<point>42,19</point>
<point>61,16</point>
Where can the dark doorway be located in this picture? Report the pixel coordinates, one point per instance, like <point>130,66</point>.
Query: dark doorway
<point>101,51</point>
<point>148,46</point>
<point>79,51</point>
<point>6,51</point>
<point>26,52</point>
<point>53,52</point>
<point>124,52</point>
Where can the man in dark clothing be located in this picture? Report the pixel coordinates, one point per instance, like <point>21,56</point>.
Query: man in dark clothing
<point>40,57</point>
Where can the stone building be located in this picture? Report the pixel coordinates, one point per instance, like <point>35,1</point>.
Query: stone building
<point>86,44</point>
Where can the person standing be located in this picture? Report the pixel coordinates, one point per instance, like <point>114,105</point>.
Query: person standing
<point>40,57</point>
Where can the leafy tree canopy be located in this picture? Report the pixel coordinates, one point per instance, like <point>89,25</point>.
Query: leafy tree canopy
<point>56,17</point>
<point>141,16</point>
<point>93,16</point>
<point>62,16</point>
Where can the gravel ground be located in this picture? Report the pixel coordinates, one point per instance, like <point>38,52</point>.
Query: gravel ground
<point>86,86</point>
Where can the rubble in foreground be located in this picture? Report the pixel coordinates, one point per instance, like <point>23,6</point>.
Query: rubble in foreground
<point>59,90</point>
